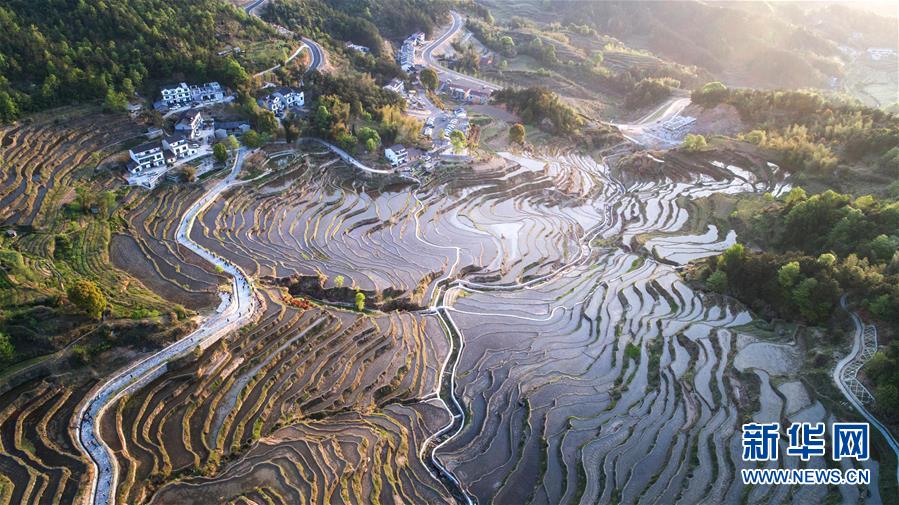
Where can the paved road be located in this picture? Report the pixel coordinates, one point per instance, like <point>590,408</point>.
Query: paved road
<point>445,73</point>
<point>318,54</point>
<point>345,156</point>
<point>240,310</point>
<point>839,379</point>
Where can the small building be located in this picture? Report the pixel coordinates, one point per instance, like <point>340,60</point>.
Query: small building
<point>459,93</point>
<point>416,38</point>
<point>479,96</point>
<point>153,133</point>
<point>177,95</point>
<point>231,128</point>
<point>182,94</point>
<point>177,146</point>
<point>282,99</point>
<point>396,85</point>
<point>358,48</point>
<point>191,123</point>
<point>211,91</point>
<point>146,156</point>
<point>396,154</point>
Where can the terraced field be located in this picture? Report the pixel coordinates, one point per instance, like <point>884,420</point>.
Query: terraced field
<point>589,371</point>
<point>46,164</point>
<point>147,248</point>
<point>324,393</point>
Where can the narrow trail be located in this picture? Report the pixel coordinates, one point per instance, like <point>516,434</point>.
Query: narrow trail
<point>242,308</point>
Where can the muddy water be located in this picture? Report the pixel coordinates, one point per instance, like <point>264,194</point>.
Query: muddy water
<point>553,300</point>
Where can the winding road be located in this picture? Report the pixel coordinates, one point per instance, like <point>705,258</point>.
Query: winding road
<point>241,309</point>
<point>317,53</point>
<point>427,55</point>
<point>841,379</point>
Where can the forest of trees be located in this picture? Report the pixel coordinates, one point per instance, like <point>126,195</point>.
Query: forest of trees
<point>365,22</point>
<point>541,107</point>
<point>54,53</point>
<point>818,248</point>
<point>354,112</point>
<point>813,133</point>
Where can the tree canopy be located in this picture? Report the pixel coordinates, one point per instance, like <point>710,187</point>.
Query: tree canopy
<point>87,297</point>
<point>538,105</point>
<point>54,53</point>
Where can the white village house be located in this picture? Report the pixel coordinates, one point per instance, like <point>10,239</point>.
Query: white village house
<point>396,85</point>
<point>191,124</point>
<point>156,154</point>
<point>358,48</point>
<point>145,156</point>
<point>282,99</point>
<point>178,146</point>
<point>182,94</point>
<point>396,154</point>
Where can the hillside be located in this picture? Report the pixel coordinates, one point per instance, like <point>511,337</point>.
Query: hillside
<point>754,44</point>
<point>55,52</point>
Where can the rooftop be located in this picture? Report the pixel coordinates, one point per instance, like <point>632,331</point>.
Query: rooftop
<point>146,146</point>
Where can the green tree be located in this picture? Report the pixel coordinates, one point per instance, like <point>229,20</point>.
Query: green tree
<point>457,139</point>
<point>795,195</point>
<point>115,102</point>
<point>882,248</point>
<point>252,140</point>
<point>756,137</point>
<point>87,297</point>
<point>788,275</point>
<point>508,45</point>
<point>9,110</point>
<point>733,257</point>
<point>7,350</point>
<point>694,143</point>
<point>370,137</point>
<point>429,79</point>
<point>266,122</point>
<point>710,95</point>
<point>360,301</point>
<point>338,281</point>
<point>220,152</point>
<point>886,398</point>
<point>880,366</point>
<point>827,259</point>
<point>517,133</point>
<point>717,282</point>
<point>232,143</point>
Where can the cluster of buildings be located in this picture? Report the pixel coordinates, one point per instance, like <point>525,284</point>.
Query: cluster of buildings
<point>406,55</point>
<point>167,150</point>
<point>283,99</point>
<point>182,94</point>
<point>158,153</point>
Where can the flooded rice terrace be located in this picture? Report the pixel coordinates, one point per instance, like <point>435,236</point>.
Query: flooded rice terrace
<point>588,372</point>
